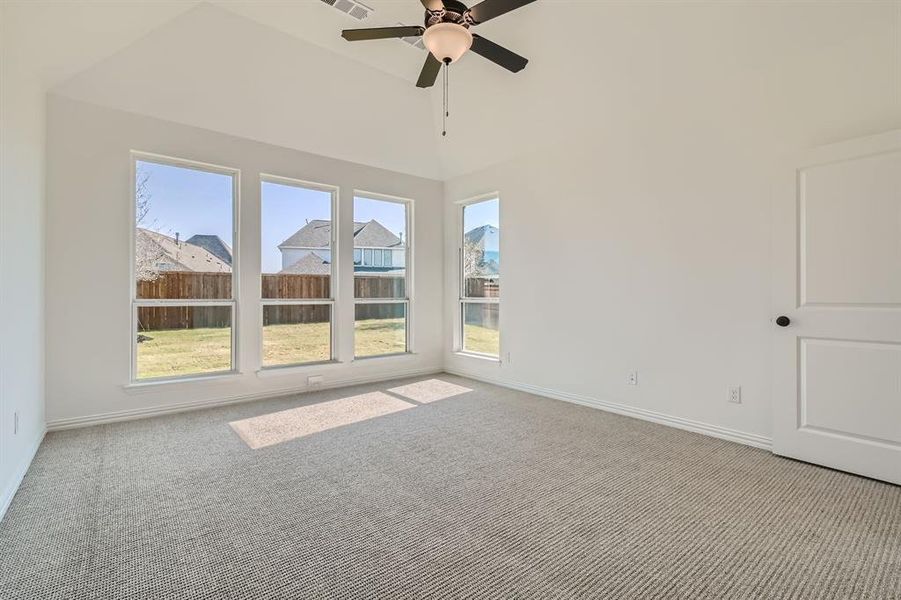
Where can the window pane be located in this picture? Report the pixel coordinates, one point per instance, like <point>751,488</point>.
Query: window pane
<point>294,334</point>
<point>380,329</point>
<point>296,241</point>
<point>380,227</point>
<point>183,232</point>
<point>183,340</point>
<point>481,249</point>
<point>480,328</point>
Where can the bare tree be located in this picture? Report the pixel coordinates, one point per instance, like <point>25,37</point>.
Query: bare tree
<point>473,260</point>
<point>148,253</point>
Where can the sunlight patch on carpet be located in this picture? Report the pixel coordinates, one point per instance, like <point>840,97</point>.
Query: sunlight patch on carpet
<point>429,390</point>
<point>278,427</point>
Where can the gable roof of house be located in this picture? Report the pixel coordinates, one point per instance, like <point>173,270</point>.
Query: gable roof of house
<point>214,245</point>
<point>318,234</point>
<point>310,264</point>
<point>476,235</point>
<point>180,256</point>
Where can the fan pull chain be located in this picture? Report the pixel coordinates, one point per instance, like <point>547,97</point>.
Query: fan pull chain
<point>446,98</point>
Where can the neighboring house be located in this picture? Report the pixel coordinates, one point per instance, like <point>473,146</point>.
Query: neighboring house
<point>214,245</point>
<point>486,241</point>
<point>376,249</point>
<point>310,264</point>
<point>156,252</point>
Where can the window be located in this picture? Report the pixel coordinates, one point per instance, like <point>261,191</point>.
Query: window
<point>358,256</point>
<point>183,302</point>
<point>381,285</point>
<point>298,295</point>
<point>480,262</point>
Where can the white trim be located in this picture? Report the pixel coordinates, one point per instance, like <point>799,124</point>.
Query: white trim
<point>143,385</point>
<point>334,269</point>
<point>479,198</point>
<point>10,492</point>
<point>479,355</point>
<point>294,182</point>
<point>154,411</point>
<point>234,301</point>
<point>459,338</point>
<point>409,280</point>
<point>723,433</point>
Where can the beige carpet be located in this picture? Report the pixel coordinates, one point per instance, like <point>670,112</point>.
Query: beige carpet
<point>486,493</point>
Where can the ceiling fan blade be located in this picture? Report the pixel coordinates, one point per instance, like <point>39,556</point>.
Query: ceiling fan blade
<point>498,54</point>
<point>381,33</point>
<point>488,9</point>
<point>433,5</point>
<point>429,72</point>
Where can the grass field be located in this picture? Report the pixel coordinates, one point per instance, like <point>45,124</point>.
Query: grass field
<point>481,339</point>
<point>177,352</point>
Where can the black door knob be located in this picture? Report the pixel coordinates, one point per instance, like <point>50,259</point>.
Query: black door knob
<point>783,321</point>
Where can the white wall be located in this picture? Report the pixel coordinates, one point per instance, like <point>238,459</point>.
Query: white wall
<point>22,121</point>
<point>214,69</point>
<point>88,287</point>
<point>635,235</point>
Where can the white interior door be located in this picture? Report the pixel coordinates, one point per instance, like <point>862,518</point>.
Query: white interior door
<point>837,269</point>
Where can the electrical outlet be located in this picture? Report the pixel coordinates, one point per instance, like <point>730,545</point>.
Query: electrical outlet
<point>507,358</point>
<point>314,381</point>
<point>633,378</point>
<point>16,423</point>
<point>735,394</point>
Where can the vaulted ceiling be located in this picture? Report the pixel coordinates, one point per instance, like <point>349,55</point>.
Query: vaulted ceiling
<point>279,72</point>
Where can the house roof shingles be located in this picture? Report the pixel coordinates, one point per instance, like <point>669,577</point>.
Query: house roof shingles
<point>214,245</point>
<point>180,256</point>
<point>318,234</point>
<point>310,264</point>
<point>475,235</point>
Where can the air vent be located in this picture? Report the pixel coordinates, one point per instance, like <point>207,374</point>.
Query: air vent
<point>357,10</point>
<point>415,41</point>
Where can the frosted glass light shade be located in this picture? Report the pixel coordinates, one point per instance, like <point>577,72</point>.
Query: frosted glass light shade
<point>447,41</point>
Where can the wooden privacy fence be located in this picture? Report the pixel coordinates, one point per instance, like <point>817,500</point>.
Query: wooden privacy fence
<point>477,287</point>
<point>188,285</point>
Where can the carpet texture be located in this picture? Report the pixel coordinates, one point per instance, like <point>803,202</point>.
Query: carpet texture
<point>487,493</point>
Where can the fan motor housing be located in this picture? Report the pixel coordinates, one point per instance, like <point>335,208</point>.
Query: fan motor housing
<point>454,12</point>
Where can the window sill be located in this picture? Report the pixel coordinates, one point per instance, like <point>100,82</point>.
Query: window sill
<point>136,387</point>
<point>485,357</point>
<point>378,356</point>
<point>294,369</point>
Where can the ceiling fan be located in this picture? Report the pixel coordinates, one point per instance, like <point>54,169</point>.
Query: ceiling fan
<point>446,34</point>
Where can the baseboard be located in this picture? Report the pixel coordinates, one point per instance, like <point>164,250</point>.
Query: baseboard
<point>723,433</point>
<point>13,487</point>
<point>154,411</point>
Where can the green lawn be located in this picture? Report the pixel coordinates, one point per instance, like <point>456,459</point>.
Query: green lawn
<point>481,339</point>
<point>175,352</point>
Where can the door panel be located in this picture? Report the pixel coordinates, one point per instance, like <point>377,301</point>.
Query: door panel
<point>851,388</point>
<point>837,275</point>
<point>851,232</point>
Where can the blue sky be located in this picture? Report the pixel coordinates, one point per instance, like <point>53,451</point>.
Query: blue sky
<point>191,202</point>
<point>481,213</point>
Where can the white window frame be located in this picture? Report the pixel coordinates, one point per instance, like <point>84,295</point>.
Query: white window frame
<point>407,300</point>
<point>462,299</point>
<point>136,303</point>
<point>332,300</point>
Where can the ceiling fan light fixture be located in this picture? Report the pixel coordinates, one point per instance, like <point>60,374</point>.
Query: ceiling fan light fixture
<point>447,41</point>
